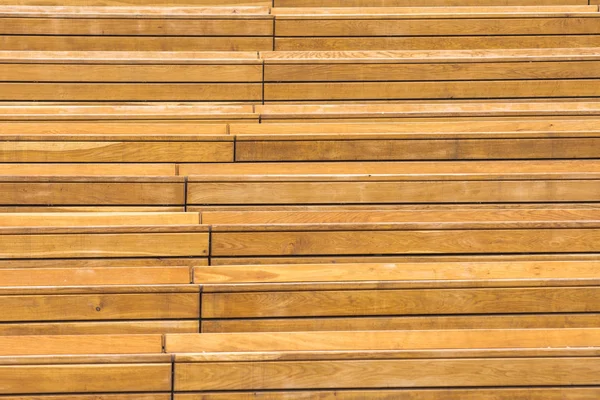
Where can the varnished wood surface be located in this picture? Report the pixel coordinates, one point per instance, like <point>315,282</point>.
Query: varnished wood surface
<point>413,3</point>
<point>99,327</point>
<point>98,219</point>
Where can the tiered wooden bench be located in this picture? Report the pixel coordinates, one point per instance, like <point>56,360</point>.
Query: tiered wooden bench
<point>136,27</point>
<point>537,364</point>
<point>426,28</point>
<point>526,139</point>
<point>403,75</point>
<point>331,297</point>
<point>130,76</point>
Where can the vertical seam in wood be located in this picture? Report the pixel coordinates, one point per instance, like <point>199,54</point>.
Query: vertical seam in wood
<point>185,193</point>
<point>234,149</point>
<point>172,376</point>
<point>200,308</point>
<point>209,245</point>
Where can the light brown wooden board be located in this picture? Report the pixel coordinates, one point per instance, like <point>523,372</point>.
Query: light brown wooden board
<point>99,327</point>
<point>417,3</point>
<point>83,219</point>
<point>96,262</point>
<point>122,396</point>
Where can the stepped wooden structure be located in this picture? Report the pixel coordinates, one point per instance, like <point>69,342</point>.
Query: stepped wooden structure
<point>299,199</point>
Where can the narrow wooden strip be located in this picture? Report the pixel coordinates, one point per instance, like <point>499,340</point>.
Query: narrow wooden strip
<point>67,9</point>
<point>97,219</point>
<point>454,11</point>
<point>413,3</point>
<point>99,327</point>
<point>96,262</point>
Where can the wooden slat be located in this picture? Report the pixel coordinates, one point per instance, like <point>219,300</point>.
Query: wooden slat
<point>414,3</point>
<point>487,321</point>
<point>99,307</point>
<point>122,396</point>
<point>98,262</point>
<point>88,169</point>
<point>85,378</point>
<point>93,344</point>
<point>147,11</point>
<point>448,11</point>
<point>94,276</point>
<point>98,219</point>
<point>99,327</point>
<point>96,243</point>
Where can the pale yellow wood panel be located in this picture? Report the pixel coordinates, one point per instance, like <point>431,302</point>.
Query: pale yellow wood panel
<point>430,90</point>
<point>100,327</point>
<point>106,262</point>
<point>578,393</point>
<point>123,396</point>
<point>386,373</point>
<point>405,242</point>
<point>413,3</point>
<point>131,92</point>
<point>94,276</point>
<point>87,169</point>
<point>98,219</point>
<point>105,151</point>
<point>92,344</point>
<point>451,149</point>
<point>488,321</point>
<point>137,43</point>
<point>400,302</point>
<point>130,73</point>
<point>219,26</point>
<point>392,192</point>
<point>422,42</point>
<point>91,193</point>
<point>97,244</point>
<point>83,307</point>
<point>85,378</point>
<point>442,27</point>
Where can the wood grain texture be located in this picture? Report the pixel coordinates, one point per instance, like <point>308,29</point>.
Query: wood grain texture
<point>98,219</point>
<point>414,3</point>
<point>373,242</point>
<point>487,321</point>
<point>122,396</point>
<point>385,373</point>
<point>99,244</point>
<point>99,262</point>
<point>99,307</point>
<point>99,327</point>
<point>92,344</point>
<point>400,302</point>
<point>85,378</point>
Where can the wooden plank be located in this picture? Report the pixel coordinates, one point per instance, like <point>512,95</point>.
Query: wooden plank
<point>144,11</point>
<point>99,244</point>
<point>99,307</point>
<point>91,193</point>
<point>381,340</point>
<point>130,92</point>
<point>489,321</point>
<point>98,219</point>
<point>386,373</point>
<point>382,242</point>
<point>124,396</point>
<point>415,42</point>
<point>365,91</point>
<point>97,262</point>
<point>579,393</point>
<point>99,327</point>
<point>137,43</point>
<point>380,25</point>
<point>155,2</point>
<point>94,276</point>
<point>400,302</point>
<point>115,151</point>
<point>413,3</point>
<point>421,12</point>
<point>85,378</point>
<point>88,169</point>
<point>112,209</point>
<point>93,344</point>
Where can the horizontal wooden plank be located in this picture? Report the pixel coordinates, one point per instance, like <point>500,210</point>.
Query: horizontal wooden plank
<point>104,245</point>
<point>386,373</point>
<point>99,307</point>
<point>115,151</point>
<point>229,278</point>
<point>47,72</point>
<point>403,242</point>
<point>160,2</point>
<point>88,169</point>
<point>448,11</point>
<point>381,26</point>
<point>94,276</point>
<point>487,321</point>
<point>142,11</point>
<point>414,3</point>
<point>92,344</point>
<point>123,396</point>
<point>98,219</point>
<point>253,193</point>
<point>429,90</point>
<point>536,393</point>
<point>418,42</point>
<point>381,340</point>
<point>400,302</point>
<point>185,25</point>
<point>99,327</point>
<point>136,43</point>
<point>91,193</point>
<point>131,92</point>
<point>85,378</point>
<point>99,262</point>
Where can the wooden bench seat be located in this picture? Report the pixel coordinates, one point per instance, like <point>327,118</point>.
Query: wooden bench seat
<point>136,27</point>
<point>130,76</point>
<point>400,361</point>
<point>392,182</point>
<point>114,142</point>
<point>467,295</point>
<point>429,28</point>
<point>526,139</point>
<point>402,75</point>
<point>456,111</point>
